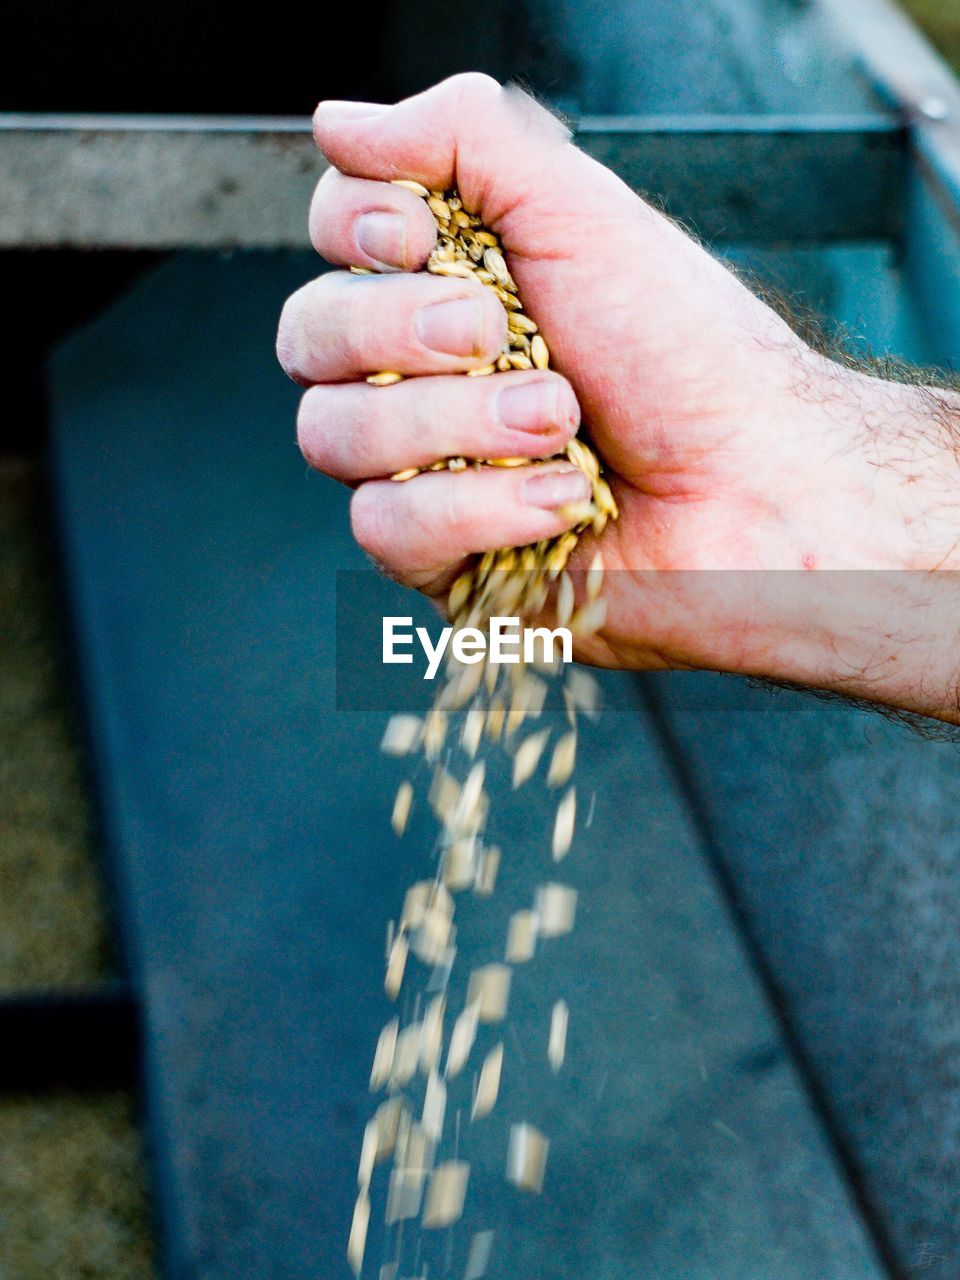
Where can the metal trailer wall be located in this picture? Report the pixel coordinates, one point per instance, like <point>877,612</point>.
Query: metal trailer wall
<point>788,905</point>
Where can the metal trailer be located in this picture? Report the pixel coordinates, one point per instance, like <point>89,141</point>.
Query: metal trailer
<point>765,1080</point>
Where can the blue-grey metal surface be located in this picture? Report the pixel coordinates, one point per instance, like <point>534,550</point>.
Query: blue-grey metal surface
<point>838,832</point>
<point>246,821</point>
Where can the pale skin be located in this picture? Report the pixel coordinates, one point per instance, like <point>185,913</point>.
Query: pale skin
<point>730,445</point>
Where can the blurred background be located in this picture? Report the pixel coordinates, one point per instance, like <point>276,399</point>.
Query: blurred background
<point>75,1193</point>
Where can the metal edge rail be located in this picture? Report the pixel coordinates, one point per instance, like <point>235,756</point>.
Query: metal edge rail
<point>907,73</point>
<point>129,182</point>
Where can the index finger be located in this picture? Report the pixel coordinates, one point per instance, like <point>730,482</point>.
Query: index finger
<point>495,144</point>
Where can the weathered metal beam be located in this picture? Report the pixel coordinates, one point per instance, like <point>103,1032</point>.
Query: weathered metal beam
<point>763,178</point>
<point>191,182</point>
<point>907,73</point>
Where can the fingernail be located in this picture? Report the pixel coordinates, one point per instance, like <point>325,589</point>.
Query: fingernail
<point>338,112</point>
<point>531,406</point>
<point>553,489</point>
<point>455,328</point>
<point>382,236</point>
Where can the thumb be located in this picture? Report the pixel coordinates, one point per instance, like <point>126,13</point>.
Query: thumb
<point>496,144</point>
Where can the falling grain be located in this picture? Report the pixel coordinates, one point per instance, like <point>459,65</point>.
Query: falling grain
<point>401,735</point>
<point>564,824</point>
<point>562,764</point>
<point>434,1107</point>
<point>488,1086</point>
<point>446,1194</point>
<point>401,808</point>
<point>487,871</point>
<point>396,965</point>
<point>358,1233</point>
<point>383,1056</point>
<point>527,1157</point>
<point>556,908</point>
<point>557,1044</point>
<point>528,757</point>
<point>588,620</point>
<point>595,577</point>
<point>461,1040</point>
<point>489,989</point>
<point>406,1056</point>
<point>431,1041</point>
<point>478,1257</point>
<point>521,936</point>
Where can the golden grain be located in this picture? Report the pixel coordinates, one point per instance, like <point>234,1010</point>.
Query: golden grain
<point>556,906</point>
<point>401,808</point>
<point>434,1107</point>
<point>563,760</point>
<point>528,757</point>
<point>358,1233</point>
<point>488,1086</point>
<point>461,1040</point>
<point>488,989</point>
<point>521,937</point>
<point>446,1194</point>
<point>564,824</point>
<point>396,965</point>
<point>527,1157</point>
<point>417,188</point>
<point>557,1043</point>
<point>383,1057</point>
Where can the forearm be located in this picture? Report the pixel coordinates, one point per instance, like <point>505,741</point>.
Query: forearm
<point>879,617</point>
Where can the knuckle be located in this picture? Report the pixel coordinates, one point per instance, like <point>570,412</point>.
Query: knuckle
<point>312,439</point>
<point>319,217</point>
<point>494,322</point>
<point>300,328</point>
<point>288,347</point>
<point>372,420</point>
<point>372,522</point>
<point>473,88</point>
<point>455,515</point>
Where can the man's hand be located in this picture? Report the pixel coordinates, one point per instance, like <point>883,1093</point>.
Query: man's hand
<point>730,444</point>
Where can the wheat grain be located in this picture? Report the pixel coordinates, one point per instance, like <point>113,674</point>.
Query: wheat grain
<point>358,1233</point>
<point>557,1043</point>
<point>446,1194</point>
<point>383,1057</point>
<point>527,1157</point>
<point>563,760</point>
<point>488,1086</point>
<point>521,936</point>
<point>564,825</point>
<point>488,989</point>
<point>401,808</point>
<point>556,906</point>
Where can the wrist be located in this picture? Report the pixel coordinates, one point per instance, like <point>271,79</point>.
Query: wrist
<point>885,624</point>
<point>891,454</point>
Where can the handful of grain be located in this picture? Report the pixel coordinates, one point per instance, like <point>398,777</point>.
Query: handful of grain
<point>514,579</point>
<point>511,581</point>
